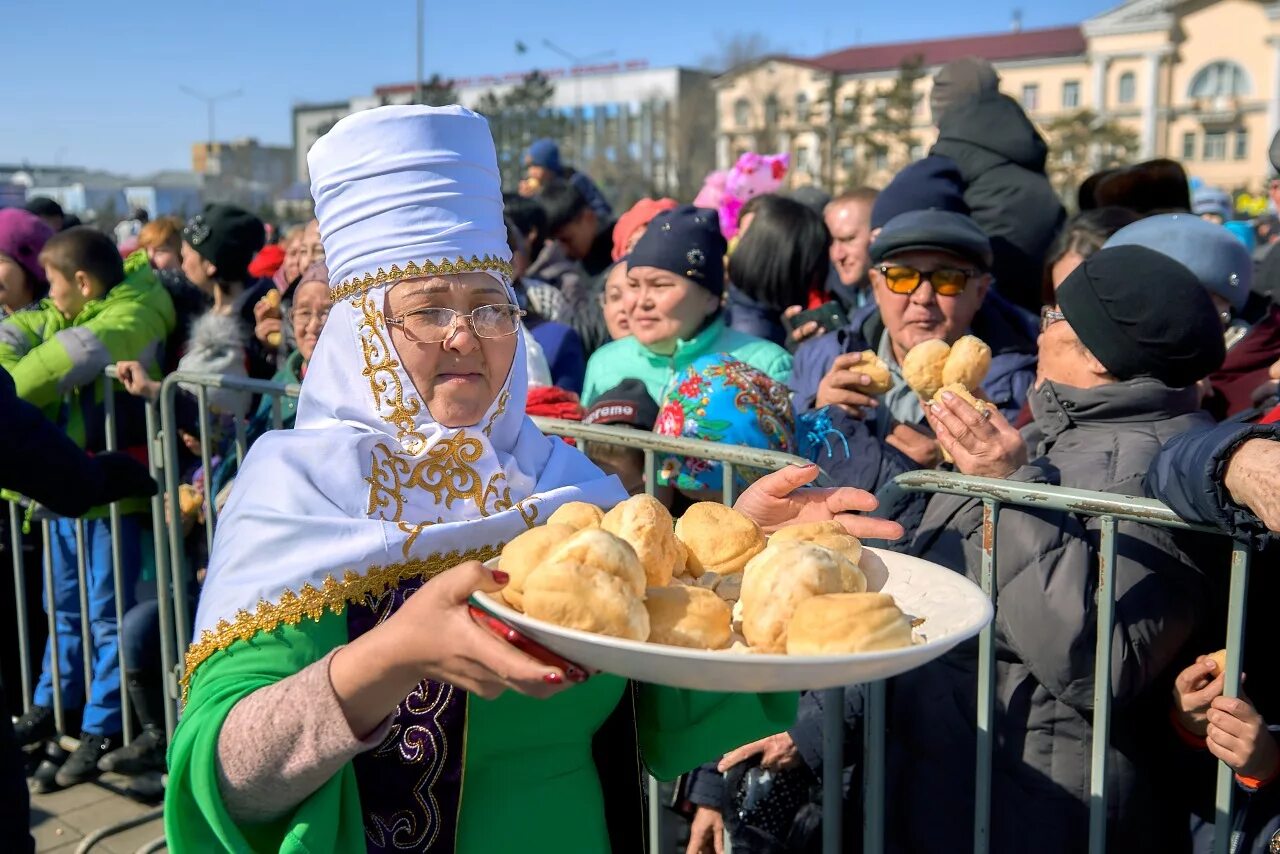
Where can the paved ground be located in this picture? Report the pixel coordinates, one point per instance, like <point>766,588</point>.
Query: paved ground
<point>61,821</point>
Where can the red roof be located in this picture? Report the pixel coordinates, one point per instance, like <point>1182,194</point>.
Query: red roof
<point>1000,47</point>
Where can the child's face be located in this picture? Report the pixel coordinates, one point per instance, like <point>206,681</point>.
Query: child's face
<point>64,292</point>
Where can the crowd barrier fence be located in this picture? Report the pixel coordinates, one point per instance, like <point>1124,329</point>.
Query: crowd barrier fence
<point>173,577</point>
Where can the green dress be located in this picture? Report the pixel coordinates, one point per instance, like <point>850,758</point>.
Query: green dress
<point>525,778</point>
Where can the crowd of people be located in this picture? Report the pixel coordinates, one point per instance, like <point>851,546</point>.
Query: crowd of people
<point>1135,349</point>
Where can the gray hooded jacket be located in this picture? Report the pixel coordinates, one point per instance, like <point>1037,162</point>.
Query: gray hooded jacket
<point>1046,579</point>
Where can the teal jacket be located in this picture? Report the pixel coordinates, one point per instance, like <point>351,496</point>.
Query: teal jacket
<point>626,358</point>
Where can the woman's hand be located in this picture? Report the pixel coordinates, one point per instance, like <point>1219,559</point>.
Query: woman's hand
<point>433,636</point>
<point>1193,691</point>
<point>135,380</point>
<point>804,331</point>
<point>779,499</point>
<point>706,832</point>
<point>267,322</point>
<point>1238,736</point>
<point>775,751</point>
<point>983,444</point>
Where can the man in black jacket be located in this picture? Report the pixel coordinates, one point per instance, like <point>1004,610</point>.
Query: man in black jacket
<point>1001,158</point>
<point>41,463</point>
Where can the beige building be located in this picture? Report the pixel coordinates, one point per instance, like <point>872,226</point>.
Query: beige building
<point>1195,81</point>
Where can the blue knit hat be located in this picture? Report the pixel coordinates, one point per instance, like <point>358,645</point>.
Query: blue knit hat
<point>544,153</point>
<point>933,183</point>
<point>685,241</point>
<point>1218,259</point>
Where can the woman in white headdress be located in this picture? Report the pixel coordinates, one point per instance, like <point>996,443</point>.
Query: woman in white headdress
<point>340,695</point>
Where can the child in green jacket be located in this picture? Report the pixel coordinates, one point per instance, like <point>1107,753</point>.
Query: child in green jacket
<point>100,310</point>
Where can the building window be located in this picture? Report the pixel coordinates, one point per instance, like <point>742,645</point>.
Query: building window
<point>917,105</point>
<point>1189,145</point>
<point>742,112</point>
<point>880,159</point>
<point>802,159</point>
<point>802,107</point>
<point>880,104</point>
<point>771,111</point>
<point>1242,144</point>
<point>849,106</point>
<point>1215,145</point>
<point>847,157</point>
<point>1128,88</point>
<point>1071,95</point>
<point>1220,80</point>
<point>1031,97</point>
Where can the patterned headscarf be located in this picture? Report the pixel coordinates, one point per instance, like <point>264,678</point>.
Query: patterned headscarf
<point>719,399</point>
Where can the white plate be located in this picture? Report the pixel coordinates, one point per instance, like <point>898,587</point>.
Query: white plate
<point>953,609</point>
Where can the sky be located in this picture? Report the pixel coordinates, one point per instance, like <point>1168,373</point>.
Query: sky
<point>99,84</point>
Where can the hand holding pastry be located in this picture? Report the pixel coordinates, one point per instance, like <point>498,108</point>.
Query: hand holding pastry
<point>1238,735</point>
<point>848,386</point>
<point>982,442</point>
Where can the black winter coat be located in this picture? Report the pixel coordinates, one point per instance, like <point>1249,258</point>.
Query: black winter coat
<point>1001,158</point>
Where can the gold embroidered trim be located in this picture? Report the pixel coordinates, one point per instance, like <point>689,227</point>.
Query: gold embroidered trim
<point>502,407</point>
<point>332,596</point>
<point>380,369</point>
<point>357,285</point>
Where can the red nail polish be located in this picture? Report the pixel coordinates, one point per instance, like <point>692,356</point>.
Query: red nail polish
<point>552,679</point>
<point>500,576</point>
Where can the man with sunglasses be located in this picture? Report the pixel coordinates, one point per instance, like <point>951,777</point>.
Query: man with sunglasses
<point>929,278</point>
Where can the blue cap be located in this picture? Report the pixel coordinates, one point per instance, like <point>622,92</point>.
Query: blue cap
<point>1211,200</point>
<point>544,153</point>
<point>1218,259</point>
<point>944,231</point>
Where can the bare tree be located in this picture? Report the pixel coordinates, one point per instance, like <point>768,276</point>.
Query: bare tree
<point>1081,143</point>
<point>735,50</point>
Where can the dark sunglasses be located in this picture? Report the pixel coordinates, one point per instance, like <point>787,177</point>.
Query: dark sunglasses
<point>946,281</point>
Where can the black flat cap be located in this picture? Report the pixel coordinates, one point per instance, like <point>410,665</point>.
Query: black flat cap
<point>945,231</point>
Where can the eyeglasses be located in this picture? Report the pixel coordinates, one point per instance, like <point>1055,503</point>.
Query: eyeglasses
<point>1049,316</point>
<point>946,281</point>
<point>438,324</point>
<point>302,319</point>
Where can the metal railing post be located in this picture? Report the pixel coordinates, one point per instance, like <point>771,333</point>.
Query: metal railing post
<point>165,599</point>
<point>51,608</point>
<point>20,604</point>
<point>117,572</point>
<point>1237,605</point>
<point>832,769</point>
<point>168,423</point>
<point>986,685</point>
<point>86,636</point>
<point>873,723</point>
<point>1106,602</point>
<point>206,464</point>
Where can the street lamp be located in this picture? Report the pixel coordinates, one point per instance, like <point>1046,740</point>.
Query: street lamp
<point>577,78</point>
<point>211,102</point>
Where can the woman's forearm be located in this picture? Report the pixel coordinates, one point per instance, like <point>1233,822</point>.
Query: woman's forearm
<point>369,679</point>
<point>281,743</point>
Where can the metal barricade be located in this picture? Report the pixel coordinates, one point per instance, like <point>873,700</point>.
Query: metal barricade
<point>1111,509</point>
<point>175,616</point>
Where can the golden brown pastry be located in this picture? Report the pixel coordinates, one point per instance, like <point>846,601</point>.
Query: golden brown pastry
<point>922,368</point>
<point>968,363</point>
<point>578,596</point>
<point>578,515</point>
<point>523,554</point>
<point>717,538</point>
<point>876,370</point>
<point>847,622</point>
<point>1219,659</point>
<point>831,535</point>
<point>644,523</point>
<point>778,579</point>
<point>602,551</point>
<point>687,616</point>
<point>963,393</point>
